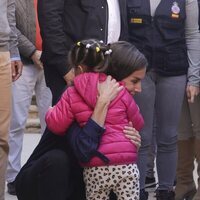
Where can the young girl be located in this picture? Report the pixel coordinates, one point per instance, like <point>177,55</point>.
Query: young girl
<point>113,166</point>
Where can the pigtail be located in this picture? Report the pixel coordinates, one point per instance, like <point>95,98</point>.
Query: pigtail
<point>90,54</point>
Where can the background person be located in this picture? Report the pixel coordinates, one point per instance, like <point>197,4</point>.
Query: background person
<point>32,80</point>
<point>188,150</point>
<point>188,145</point>
<point>150,180</point>
<point>60,29</point>
<point>168,35</point>
<point>8,51</point>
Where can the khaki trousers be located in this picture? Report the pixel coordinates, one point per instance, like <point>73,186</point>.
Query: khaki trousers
<point>5,112</point>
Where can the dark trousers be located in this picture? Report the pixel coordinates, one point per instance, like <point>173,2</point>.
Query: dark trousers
<point>52,176</point>
<point>55,82</point>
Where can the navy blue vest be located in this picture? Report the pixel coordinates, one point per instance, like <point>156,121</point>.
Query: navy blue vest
<point>161,38</point>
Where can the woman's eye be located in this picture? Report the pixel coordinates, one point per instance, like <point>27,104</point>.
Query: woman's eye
<point>134,81</point>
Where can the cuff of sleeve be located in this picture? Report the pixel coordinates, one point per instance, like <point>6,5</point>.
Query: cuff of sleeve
<point>92,127</point>
<point>31,53</point>
<point>14,53</point>
<point>196,84</point>
<point>15,58</point>
<point>63,70</point>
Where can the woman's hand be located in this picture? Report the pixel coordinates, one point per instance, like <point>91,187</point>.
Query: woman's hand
<point>132,134</point>
<point>108,90</point>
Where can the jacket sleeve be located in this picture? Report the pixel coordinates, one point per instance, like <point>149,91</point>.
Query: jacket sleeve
<point>59,117</point>
<point>25,46</point>
<point>55,41</point>
<point>85,141</point>
<point>134,114</point>
<point>4,26</point>
<point>14,52</point>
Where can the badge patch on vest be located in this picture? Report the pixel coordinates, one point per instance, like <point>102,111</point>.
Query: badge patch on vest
<point>136,20</point>
<point>175,10</point>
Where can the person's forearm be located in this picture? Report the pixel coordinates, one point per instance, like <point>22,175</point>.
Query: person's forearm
<point>100,112</point>
<point>192,36</point>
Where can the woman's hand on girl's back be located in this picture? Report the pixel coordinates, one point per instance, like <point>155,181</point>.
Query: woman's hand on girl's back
<point>108,90</point>
<point>132,134</point>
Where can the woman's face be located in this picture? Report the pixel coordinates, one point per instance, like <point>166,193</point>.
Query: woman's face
<point>133,82</point>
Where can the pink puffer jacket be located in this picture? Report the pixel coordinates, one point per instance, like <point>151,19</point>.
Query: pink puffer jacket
<point>78,102</point>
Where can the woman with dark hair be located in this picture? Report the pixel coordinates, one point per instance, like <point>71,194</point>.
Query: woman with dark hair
<point>52,171</point>
<point>116,156</point>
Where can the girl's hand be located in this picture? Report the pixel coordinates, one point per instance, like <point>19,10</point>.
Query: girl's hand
<point>108,90</point>
<point>132,134</point>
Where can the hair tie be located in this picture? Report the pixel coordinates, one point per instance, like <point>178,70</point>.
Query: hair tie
<point>97,49</point>
<point>108,52</point>
<point>88,46</point>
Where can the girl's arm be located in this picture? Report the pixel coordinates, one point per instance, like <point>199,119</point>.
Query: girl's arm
<point>59,117</point>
